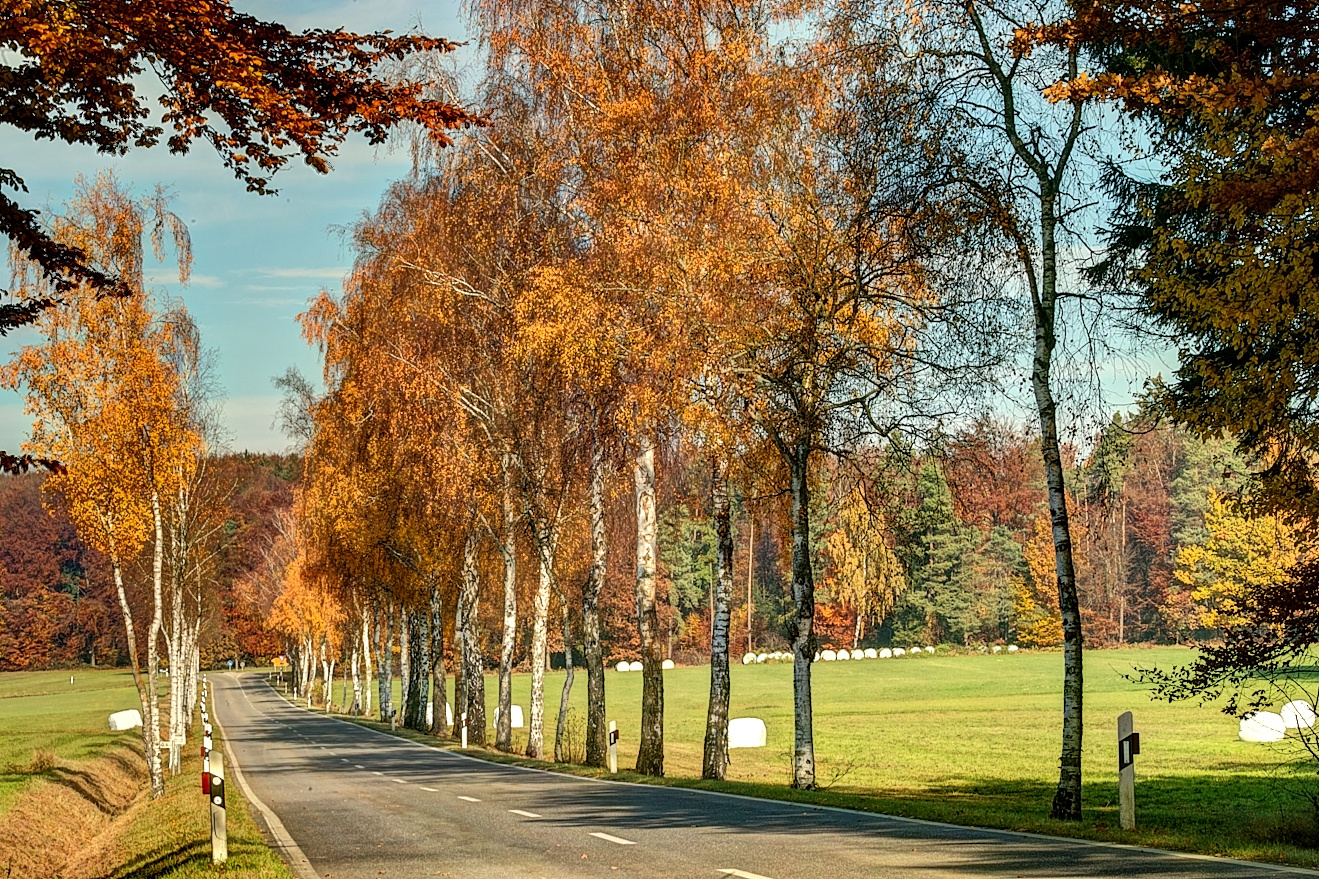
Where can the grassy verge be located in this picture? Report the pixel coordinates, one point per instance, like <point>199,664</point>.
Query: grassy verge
<point>973,740</point>
<point>87,814</point>
<point>47,722</point>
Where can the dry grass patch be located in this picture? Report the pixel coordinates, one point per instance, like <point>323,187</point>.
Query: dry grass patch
<point>65,807</point>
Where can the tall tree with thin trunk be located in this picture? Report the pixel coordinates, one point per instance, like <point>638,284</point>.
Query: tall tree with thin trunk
<point>996,80</point>
<point>714,760</point>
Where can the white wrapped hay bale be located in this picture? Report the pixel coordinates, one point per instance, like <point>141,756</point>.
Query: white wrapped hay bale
<point>746,732</point>
<point>666,664</point>
<point>828,655</point>
<point>885,653</point>
<point>624,666</point>
<point>635,665</point>
<point>1263,726</point>
<point>1297,714</point>
<point>870,653</point>
<point>748,658</point>
<point>122,720</point>
<point>898,651</point>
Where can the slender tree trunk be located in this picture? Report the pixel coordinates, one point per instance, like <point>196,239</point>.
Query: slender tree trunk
<point>803,622</point>
<point>148,732</point>
<point>356,709</point>
<point>715,759</point>
<point>473,680</point>
<point>540,609</point>
<point>366,659</point>
<point>386,662</point>
<point>650,755</point>
<point>405,659</point>
<point>153,640</point>
<point>439,693</point>
<point>419,669</point>
<point>504,720</point>
<point>561,749</point>
<point>1067,799</point>
<point>597,735</point>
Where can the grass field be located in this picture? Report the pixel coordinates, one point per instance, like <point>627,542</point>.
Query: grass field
<point>975,740</point>
<point>73,794</point>
<point>43,711</point>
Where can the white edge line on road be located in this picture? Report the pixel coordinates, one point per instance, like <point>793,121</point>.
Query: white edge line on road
<point>620,841</point>
<point>283,843</point>
<point>398,781</point>
<point>742,874</point>
<point>431,789</point>
<point>524,813</point>
<point>788,804</point>
<point>469,799</point>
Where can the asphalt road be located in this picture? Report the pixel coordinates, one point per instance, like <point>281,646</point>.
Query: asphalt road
<point>364,805</point>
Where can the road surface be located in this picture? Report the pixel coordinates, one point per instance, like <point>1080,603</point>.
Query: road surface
<point>360,804</point>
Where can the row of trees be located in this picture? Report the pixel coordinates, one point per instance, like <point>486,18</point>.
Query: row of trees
<point>117,391</point>
<point>116,388</point>
<point>785,259</point>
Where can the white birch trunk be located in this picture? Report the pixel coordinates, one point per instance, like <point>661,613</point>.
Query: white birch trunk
<point>650,754</point>
<point>540,610</point>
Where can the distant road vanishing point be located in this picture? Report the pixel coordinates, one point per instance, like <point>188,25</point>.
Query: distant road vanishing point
<point>346,802</point>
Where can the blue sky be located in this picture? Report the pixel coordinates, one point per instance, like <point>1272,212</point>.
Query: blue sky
<point>258,259</point>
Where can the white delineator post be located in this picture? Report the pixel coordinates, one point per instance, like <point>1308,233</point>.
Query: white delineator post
<point>464,729</point>
<point>1128,746</point>
<point>613,747</point>
<point>219,830</point>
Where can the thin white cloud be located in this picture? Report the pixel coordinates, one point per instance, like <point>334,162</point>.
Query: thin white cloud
<point>327,272</point>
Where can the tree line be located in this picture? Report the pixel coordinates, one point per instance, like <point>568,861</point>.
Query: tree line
<point>787,244</point>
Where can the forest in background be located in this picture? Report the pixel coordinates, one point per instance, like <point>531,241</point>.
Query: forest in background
<point>1161,554</point>
<point>59,608</point>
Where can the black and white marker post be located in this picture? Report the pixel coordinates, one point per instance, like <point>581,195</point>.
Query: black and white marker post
<point>219,830</point>
<point>1128,746</point>
<point>613,747</point>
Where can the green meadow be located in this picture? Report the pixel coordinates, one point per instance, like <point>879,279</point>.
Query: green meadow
<point>70,788</point>
<point>974,739</point>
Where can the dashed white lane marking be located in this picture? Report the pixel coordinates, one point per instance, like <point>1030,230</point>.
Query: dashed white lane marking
<point>359,766</point>
<point>377,773</point>
<point>431,789</point>
<point>398,781</point>
<point>614,839</point>
<point>470,799</point>
<point>344,759</point>
<point>742,874</point>
<point>524,813</point>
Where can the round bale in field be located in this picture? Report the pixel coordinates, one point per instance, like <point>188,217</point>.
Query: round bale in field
<point>746,732</point>
<point>843,654</point>
<point>1012,648</point>
<point>828,655</point>
<point>1263,726</point>
<point>898,651</point>
<point>635,665</point>
<point>748,658</point>
<point>623,666</point>
<point>1298,714</point>
<point>885,653</point>
<point>666,664</point>
<point>870,653</point>
<point>122,720</point>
